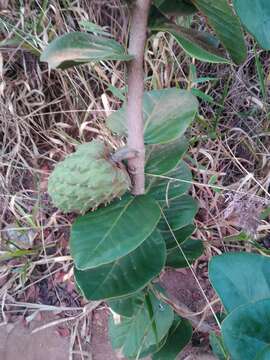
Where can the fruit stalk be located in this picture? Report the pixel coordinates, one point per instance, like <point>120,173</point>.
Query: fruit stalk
<point>137,39</point>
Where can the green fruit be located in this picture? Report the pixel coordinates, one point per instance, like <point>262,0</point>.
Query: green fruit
<point>87,179</point>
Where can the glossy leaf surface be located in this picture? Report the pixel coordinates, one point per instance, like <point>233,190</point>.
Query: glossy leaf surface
<point>126,275</point>
<point>110,233</point>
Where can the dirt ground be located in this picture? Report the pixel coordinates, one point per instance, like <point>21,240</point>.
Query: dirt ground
<point>17,342</point>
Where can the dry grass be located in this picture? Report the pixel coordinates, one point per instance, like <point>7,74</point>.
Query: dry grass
<point>44,115</point>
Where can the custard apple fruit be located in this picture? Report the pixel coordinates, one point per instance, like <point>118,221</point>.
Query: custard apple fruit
<point>87,179</point>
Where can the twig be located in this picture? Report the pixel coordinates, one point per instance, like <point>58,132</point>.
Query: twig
<point>137,39</point>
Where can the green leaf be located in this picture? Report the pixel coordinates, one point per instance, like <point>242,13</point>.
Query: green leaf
<point>79,48</point>
<point>194,43</point>
<point>192,249</point>
<point>127,306</point>
<point>264,354</point>
<point>178,213</point>
<point>175,7</point>
<point>201,95</point>
<point>226,25</point>
<point>240,278</point>
<point>109,233</point>
<point>255,16</point>
<point>181,235</point>
<point>167,115</point>
<point>172,185</point>
<point>126,275</point>
<point>161,159</point>
<point>217,346</point>
<point>135,335</point>
<point>246,330</point>
<point>179,336</point>
<point>93,28</point>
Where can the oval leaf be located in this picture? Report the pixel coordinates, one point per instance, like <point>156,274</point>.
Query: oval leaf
<point>226,25</point>
<point>79,48</point>
<point>126,275</point>
<point>167,115</point>
<point>246,330</point>
<point>136,334</point>
<point>194,43</point>
<point>109,233</point>
<point>255,15</point>
<point>240,278</point>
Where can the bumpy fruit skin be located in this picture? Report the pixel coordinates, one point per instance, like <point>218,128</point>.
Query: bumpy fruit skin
<point>87,179</point>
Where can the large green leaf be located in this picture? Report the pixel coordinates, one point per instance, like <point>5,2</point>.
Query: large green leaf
<point>240,278</point>
<point>144,329</point>
<point>161,159</point>
<point>195,43</point>
<point>226,25</point>
<point>127,306</point>
<point>79,48</point>
<point>179,335</point>
<point>167,115</point>
<point>192,249</point>
<point>180,235</point>
<point>246,330</point>
<point>179,212</point>
<point>126,275</point>
<point>172,185</point>
<point>110,233</point>
<point>175,7</point>
<point>255,15</point>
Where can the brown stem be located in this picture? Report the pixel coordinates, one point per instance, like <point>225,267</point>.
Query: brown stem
<point>137,39</point>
